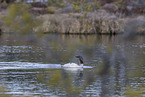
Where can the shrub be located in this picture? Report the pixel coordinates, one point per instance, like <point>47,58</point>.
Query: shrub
<point>19,19</point>
<point>51,10</point>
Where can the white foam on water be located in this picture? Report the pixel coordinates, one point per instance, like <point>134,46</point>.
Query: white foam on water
<point>26,65</point>
<point>29,65</point>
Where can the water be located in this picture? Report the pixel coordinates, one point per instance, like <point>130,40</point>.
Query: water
<point>31,66</point>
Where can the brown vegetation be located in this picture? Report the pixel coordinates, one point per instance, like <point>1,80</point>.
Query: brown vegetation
<point>107,1</point>
<point>108,18</point>
<point>39,4</point>
<point>93,23</point>
<point>139,10</point>
<point>7,1</point>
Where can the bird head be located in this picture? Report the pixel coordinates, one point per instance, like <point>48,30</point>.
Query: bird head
<point>80,59</point>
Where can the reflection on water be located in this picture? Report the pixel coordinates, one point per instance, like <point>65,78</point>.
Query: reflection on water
<point>31,66</point>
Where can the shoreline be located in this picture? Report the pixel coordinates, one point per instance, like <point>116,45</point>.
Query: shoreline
<point>101,22</point>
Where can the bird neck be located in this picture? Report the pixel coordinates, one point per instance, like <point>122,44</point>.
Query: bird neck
<point>81,62</point>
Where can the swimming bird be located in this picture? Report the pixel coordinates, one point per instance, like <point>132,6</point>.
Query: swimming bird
<point>74,65</point>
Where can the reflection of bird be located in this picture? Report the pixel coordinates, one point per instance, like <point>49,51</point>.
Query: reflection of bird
<point>74,65</point>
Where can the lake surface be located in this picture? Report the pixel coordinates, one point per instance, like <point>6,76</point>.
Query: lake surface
<point>31,66</point>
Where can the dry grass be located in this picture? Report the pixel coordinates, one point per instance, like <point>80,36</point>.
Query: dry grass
<point>88,24</point>
<point>99,22</point>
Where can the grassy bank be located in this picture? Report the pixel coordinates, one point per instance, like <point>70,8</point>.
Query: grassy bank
<point>21,18</point>
<point>99,22</point>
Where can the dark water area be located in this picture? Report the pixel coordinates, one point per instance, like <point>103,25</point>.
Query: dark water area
<point>31,66</point>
